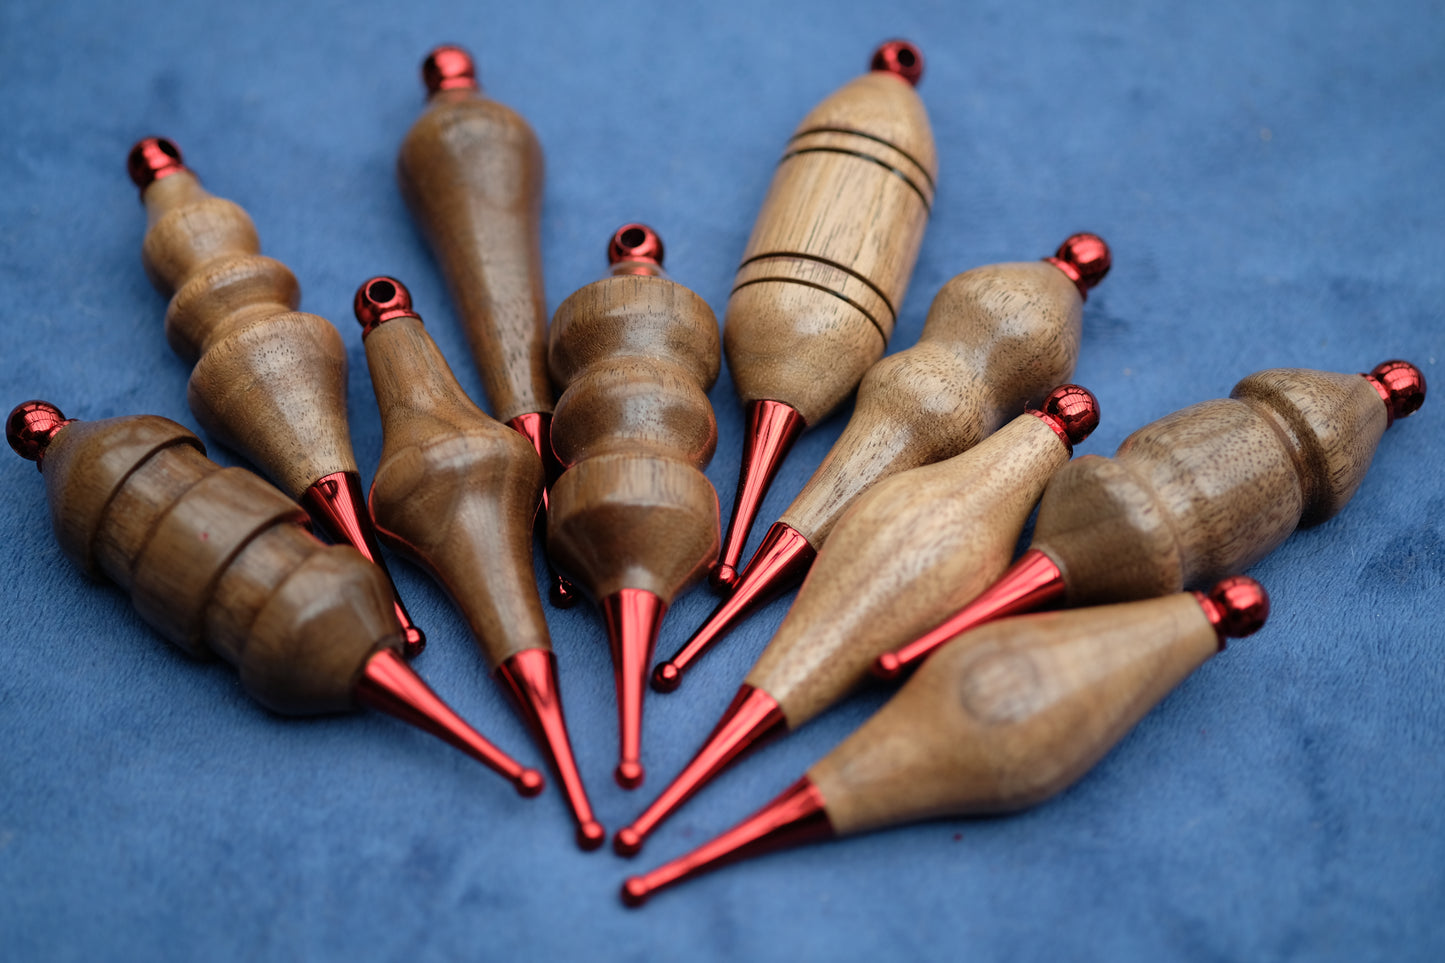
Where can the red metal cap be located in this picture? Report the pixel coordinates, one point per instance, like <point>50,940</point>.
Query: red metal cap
<point>635,249</point>
<point>1072,411</point>
<point>31,426</point>
<point>1400,385</point>
<point>772,428</point>
<point>1236,607</point>
<point>1085,258</point>
<point>379,300</point>
<point>449,67</point>
<point>901,58</point>
<point>151,159</point>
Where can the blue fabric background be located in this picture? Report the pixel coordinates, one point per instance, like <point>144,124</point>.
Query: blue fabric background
<point>1270,178</point>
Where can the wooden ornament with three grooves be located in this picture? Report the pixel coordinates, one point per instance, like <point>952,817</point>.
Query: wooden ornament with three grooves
<point>456,491</point>
<point>634,519</point>
<point>269,381</point>
<point>220,564</point>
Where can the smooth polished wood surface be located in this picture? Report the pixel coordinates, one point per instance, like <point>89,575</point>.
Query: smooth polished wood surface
<point>910,552</point>
<point>1012,713</point>
<point>269,381</point>
<point>636,355</point>
<point>456,490</point>
<point>471,171</point>
<point>218,561</point>
<point>1211,489</point>
<point>824,273</point>
<point>997,338</point>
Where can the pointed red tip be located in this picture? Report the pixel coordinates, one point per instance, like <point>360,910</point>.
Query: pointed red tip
<point>780,562</point>
<point>798,816</point>
<point>633,617</point>
<point>337,504</point>
<point>753,716</point>
<point>771,430</point>
<point>530,677</point>
<point>1031,583</point>
<point>389,685</point>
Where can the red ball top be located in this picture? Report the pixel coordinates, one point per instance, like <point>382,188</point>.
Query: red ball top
<point>379,300</point>
<point>1236,607</point>
<point>635,242</point>
<point>1401,386</point>
<point>31,427</point>
<point>151,159</point>
<point>449,68</point>
<point>1072,411</point>
<point>1085,259</point>
<point>901,58</point>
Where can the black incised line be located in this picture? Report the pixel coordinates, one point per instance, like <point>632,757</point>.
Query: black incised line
<point>826,290</point>
<point>867,157</point>
<point>800,256</point>
<point>867,136</point>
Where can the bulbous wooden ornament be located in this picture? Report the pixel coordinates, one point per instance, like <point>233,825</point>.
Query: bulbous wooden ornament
<point>269,381</point>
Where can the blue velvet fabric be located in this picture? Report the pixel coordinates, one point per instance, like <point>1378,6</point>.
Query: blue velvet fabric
<point>1270,178</point>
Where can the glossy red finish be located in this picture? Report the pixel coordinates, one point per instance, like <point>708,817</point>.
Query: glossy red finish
<point>1237,606</point>
<point>31,427</point>
<point>151,159</point>
<point>633,617</point>
<point>448,68</point>
<point>1033,582</point>
<point>337,504</point>
<point>753,717</point>
<point>379,300</point>
<point>635,249</point>
<point>901,58</point>
<point>530,677</point>
<point>772,428</point>
<point>1085,258</point>
<point>1072,411</point>
<point>536,427</point>
<point>797,817</point>
<point>1400,385</point>
<point>389,685</point>
<point>780,562</point>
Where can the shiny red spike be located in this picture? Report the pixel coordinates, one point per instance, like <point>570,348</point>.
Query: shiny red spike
<point>753,717</point>
<point>389,685</point>
<point>796,817</point>
<point>633,617</point>
<point>780,562</point>
<point>771,430</point>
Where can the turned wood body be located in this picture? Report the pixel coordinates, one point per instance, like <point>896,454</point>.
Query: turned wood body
<point>1210,489</point>
<point>997,338</point>
<point>471,172</point>
<point>456,490</point>
<point>636,355</point>
<point>269,381</point>
<point>911,551</point>
<point>218,561</point>
<point>824,273</point>
<point>1012,713</point>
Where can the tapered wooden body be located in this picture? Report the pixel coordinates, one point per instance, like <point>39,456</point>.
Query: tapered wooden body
<point>269,381</point>
<point>636,354</point>
<point>471,172</point>
<point>909,552</point>
<point>1210,489</point>
<point>824,273</point>
<point>218,561</point>
<point>456,490</point>
<point>1012,713</point>
<point>997,338</point>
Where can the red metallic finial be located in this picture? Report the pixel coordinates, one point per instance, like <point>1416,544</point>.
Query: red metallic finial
<point>771,430</point>
<point>796,817</point>
<point>31,427</point>
<point>753,717</point>
<point>635,249</point>
<point>1085,259</point>
<point>530,677</point>
<point>780,562</point>
<point>379,300</point>
<point>1400,385</point>
<point>1032,583</point>
<point>633,617</point>
<point>151,159</point>
<point>1237,606</point>
<point>389,685</point>
<point>901,58</point>
<point>1072,411</point>
<point>448,67</point>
